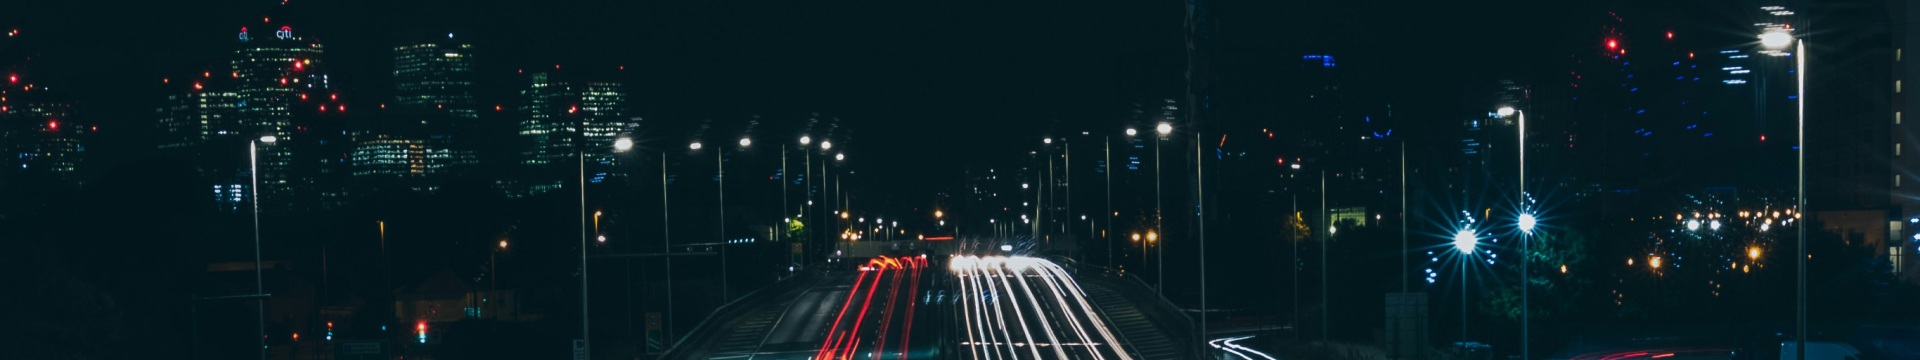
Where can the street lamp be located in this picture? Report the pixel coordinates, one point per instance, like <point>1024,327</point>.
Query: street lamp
<point>839,156</point>
<point>826,145</point>
<point>744,142</point>
<point>1163,128</point>
<point>1132,132</point>
<point>580,156</point>
<point>1776,39</point>
<point>1779,38</point>
<point>1464,241</point>
<point>805,139</point>
<point>623,144</point>
<point>259,287</point>
<point>1526,223</point>
<point>694,146</point>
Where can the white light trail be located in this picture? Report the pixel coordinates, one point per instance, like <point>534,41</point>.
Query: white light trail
<point>977,283</point>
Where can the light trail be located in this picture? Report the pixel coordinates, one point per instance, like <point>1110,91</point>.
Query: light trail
<point>1242,351</point>
<point>1018,317</point>
<point>1080,297</point>
<point>913,293</point>
<point>994,337</point>
<point>1215,343</point>
<point>1038,313</point>
<point>842,342</point>
<point>1061,301</point>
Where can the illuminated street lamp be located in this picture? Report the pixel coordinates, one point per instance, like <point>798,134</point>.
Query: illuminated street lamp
<point>826,145</point>
<point>805,139</point>
<point>1163,128</point>
<point>839,156</point>
<point>1526,223</point>
<point>694,146</point>
<point>622,144</point>
<point>1464,241</point>
<point>744,142</point>
<point>1776,39</point>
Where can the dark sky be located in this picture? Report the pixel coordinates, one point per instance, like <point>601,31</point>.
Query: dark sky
<point>934,83</point>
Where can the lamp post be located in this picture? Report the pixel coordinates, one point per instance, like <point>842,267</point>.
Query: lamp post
<point>1779,39</point>
<point>1160,253</point>
<point>1526,222</point>
<point>1465,241</point>
<point>259,287</point>
<point>620,145</point>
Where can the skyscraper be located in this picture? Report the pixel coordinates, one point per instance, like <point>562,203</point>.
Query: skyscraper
<point>433,78</point>
<point>562,119</point>
<point>41,136</point>
<point>272,90</point>
<point>433,124</point>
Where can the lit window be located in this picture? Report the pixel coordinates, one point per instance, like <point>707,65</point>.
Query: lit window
<point>1894,255</point>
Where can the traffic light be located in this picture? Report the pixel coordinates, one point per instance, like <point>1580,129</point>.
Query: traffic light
<point>421,331</point>
<point>329,331</point>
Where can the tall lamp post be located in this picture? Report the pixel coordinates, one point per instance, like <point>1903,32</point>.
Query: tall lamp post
<point>259,287</point>
<point>1526,221</point>
<point>1465,241</point>
<point>1160,253</point>
<point>620,145</point>
<point>1779,39</point>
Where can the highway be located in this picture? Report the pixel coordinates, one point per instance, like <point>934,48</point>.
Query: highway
<point>1026,308</point>
<point>871,313</point>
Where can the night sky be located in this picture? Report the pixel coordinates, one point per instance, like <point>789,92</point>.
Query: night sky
<point>943,85</point>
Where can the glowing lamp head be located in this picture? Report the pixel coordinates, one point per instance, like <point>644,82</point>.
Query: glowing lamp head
<point>503,244</point>
<point>694,146</point>
<point>1046,140</point>
<point>1693,224</point>
<point>1132,132</point>
<point>622,144</point>
<point>805,140</point>
<point>269,139</point>
<point>1506,111</point>
<point>746,142</point>
<point>1464,241</point>
<point>1163,128</point>
<point>1753,253</point>
<point>1776,39</point>
<point>826,144</point>
<point>1527,222</point>
<point>839,156</point>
